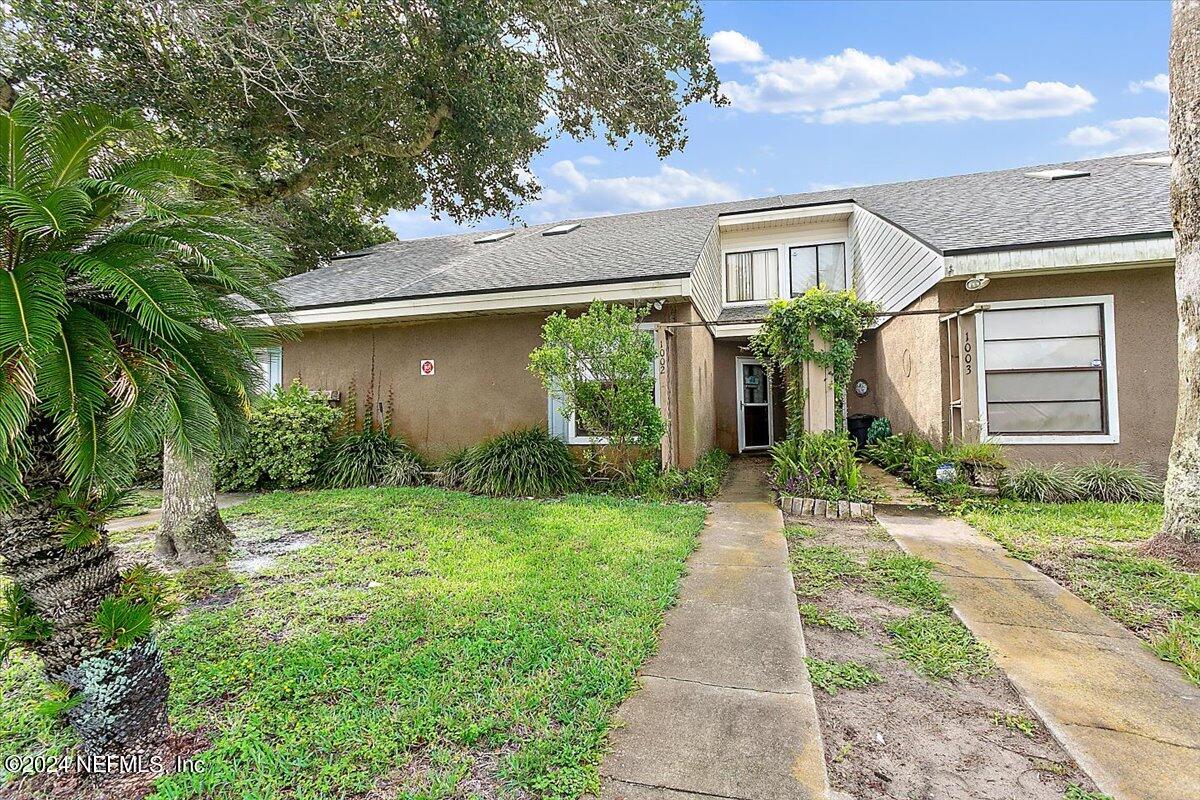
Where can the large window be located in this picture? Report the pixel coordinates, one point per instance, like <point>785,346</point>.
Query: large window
<point>823,264</point>
<point>1047,370</point>
<point>752,276</point>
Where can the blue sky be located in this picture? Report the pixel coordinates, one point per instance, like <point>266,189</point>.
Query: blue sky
<point>844,94</point>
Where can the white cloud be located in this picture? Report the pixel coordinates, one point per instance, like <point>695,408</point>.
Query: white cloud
<point>568,192</point>
<point>1156,84</point>
<point>729,47</point>
<point>590,161</point>
<point>580,195</point>
<point>852,76</point>
<point>1032,101</point>
<point>999,77</point>
<point>1133,135</point>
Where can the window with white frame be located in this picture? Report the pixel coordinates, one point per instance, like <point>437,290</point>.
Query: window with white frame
<point>270,362</point>
<point>751,276</point>
<point>1048,369</point>
<point>817,264</point>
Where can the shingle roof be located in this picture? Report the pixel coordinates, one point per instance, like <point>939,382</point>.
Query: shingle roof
<point>987,210</point>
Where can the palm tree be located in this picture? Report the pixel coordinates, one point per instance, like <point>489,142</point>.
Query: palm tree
<point>128,285</point>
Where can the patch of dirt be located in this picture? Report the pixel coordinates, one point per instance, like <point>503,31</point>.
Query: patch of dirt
<point>180,746</point>
<point>257,553</point>
<point>912,737</point>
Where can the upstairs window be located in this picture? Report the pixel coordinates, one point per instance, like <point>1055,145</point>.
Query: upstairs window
<point>818,264</point>
<point>752,276</point>
<point>1046,371</point>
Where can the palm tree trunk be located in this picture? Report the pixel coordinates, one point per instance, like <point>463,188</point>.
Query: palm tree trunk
<point>1180,536</point>
<point>191,530</point>
<point>122,694</point>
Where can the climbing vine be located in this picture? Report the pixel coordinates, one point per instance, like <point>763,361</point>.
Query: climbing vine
<point>786,341</point>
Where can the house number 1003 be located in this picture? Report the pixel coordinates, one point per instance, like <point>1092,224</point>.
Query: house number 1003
<point>968,359</point>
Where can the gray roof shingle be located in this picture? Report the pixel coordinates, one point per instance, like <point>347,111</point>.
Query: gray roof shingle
<point>987,210</point>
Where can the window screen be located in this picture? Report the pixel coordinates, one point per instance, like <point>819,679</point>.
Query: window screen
<point>1044,370</point>
<point>752,276</point>
<point>823,264</point>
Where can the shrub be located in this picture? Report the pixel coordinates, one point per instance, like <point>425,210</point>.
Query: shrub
<point>287,433</point>
<point>701,482</point>
<point>451,469</point>
<point>917,461</point>
<point>984,453</point>
<point>1117,483</point>
<point>1051,483</point>
<point>369,457</point>
<point>881,428</point>
<point>523,463</point>
<point>821,465</point>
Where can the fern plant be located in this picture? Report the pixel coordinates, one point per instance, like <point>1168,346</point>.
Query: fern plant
<point>129,280</point>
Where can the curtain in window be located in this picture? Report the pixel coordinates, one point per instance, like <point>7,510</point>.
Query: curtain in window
<point>1044,370</point>
<point>823,264</point>
<point>752,276</point>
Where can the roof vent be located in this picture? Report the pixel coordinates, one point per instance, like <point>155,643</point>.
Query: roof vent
<point>1057,174</point>
<point>1154,161</point>
<point>559,230</point>
<point>494,237</point>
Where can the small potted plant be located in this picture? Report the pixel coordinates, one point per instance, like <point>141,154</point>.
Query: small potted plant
<point>982,464</point>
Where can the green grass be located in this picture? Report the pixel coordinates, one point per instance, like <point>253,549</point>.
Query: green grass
<point>1075,792</point>
<point>828,618</point>
<point>422,624</point>
<point>1091,548</point>
<point>1022,723</point>
<point>937,645</point>
<point>819,568</point>
<point>907,580</point>
<point>834,675</point>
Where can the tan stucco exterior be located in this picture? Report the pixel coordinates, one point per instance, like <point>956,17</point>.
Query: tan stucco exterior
<point>905,362</point>
<point>481,385</point>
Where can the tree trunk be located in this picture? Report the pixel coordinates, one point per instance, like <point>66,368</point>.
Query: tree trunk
<point>191,530</point>
<point>122,694</point>
<point>1180,536</point>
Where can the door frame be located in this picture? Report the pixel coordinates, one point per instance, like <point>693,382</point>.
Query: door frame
<point>741,361</point>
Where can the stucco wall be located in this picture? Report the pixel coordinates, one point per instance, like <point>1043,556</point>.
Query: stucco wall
<point>902,363</point>
<point>481,385</point>
<point>1146,328</point>
<point>694,412</point>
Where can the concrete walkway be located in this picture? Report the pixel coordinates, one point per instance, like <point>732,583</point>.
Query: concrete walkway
<point>153,517</point>
<point>1130,720</point>
<point>725,708</point>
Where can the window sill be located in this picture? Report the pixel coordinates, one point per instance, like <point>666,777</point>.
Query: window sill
<point>1084,438</point>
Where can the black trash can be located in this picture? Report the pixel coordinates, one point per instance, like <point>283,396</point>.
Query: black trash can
<point>858,425</point>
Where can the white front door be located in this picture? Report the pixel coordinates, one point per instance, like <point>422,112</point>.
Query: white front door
<point>755,417</point>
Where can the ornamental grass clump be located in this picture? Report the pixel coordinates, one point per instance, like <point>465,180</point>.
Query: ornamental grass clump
<point>369,457</point>
<point>522,463</point>
<point>1117,483</point>
<point>1042,483</point>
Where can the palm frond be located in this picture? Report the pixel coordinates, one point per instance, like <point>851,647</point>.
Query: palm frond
<point>75,137</point>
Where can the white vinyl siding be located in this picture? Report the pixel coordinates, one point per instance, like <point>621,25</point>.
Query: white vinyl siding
<point>752,276</point>
<point>706,277</point>
<point>887,264</point>
<point>1048,371</point>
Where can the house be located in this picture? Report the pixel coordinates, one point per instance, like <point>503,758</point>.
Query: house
<point>1033,307</point>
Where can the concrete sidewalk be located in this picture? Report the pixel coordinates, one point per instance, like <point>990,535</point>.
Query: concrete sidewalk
<point>153,517</point>
<point>1130,720</point>
<point>725,709</point>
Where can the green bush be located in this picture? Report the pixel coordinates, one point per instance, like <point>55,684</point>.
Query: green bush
<point>701,482</point>
<point>917,461</point>
<point>523,463</point>
<point>881,428</point>
<point>821,465</point>
<point>369,457</point>
<point>1049,483</point>
<point>287,433</point>
<point>1117,483</point>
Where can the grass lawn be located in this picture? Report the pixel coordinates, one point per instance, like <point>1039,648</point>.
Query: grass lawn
<point>425,640</point>
<point>1092,549</point>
